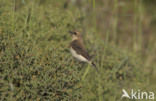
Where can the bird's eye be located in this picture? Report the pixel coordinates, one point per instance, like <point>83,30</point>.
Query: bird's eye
<point>75,33</point>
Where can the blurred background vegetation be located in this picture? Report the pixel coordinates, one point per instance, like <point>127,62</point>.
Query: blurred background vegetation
<point>36,65</point>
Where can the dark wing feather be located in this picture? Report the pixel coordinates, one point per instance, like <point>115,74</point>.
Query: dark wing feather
<point>77,45</point>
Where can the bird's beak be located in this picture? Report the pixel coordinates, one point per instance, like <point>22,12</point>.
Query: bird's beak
<point>71,32</point>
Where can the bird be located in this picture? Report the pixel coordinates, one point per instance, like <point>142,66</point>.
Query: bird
<point>78,50</point>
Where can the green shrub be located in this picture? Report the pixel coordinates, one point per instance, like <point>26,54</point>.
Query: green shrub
<point>35,63</point>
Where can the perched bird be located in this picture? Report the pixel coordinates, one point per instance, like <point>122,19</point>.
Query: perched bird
<point>78,50</point>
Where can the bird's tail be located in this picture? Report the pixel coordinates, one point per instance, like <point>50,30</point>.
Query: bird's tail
<point>92,63</point>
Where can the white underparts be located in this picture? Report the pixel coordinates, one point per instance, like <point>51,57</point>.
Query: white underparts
<point>78,56</point>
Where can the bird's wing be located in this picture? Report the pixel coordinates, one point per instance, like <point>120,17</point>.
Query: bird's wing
<point>78,46</point>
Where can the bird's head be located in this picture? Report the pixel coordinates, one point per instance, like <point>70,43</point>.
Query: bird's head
<point>75,35</point>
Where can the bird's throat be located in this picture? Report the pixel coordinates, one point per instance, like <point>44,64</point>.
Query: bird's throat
<point>74,38</point>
